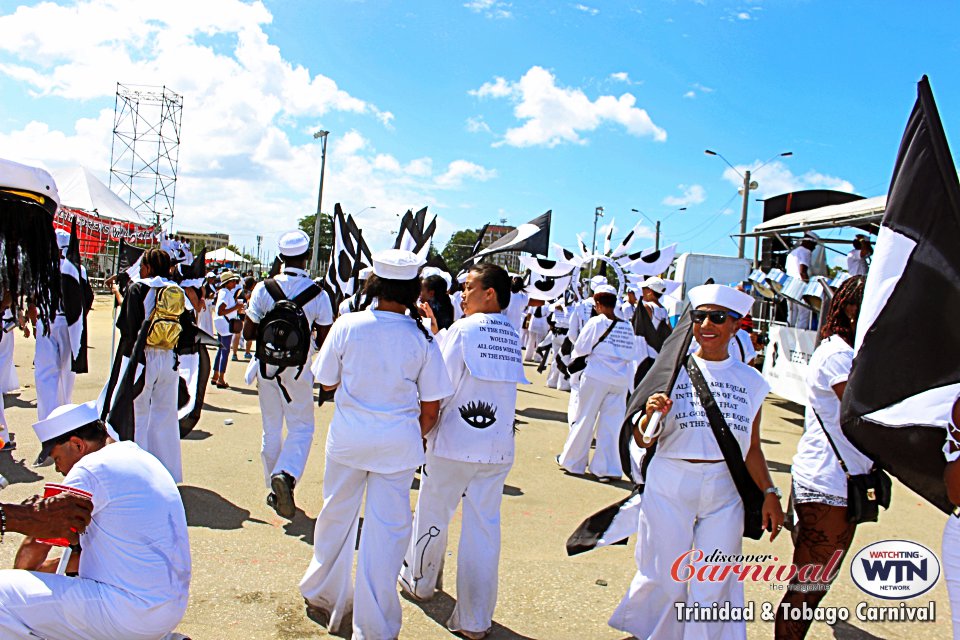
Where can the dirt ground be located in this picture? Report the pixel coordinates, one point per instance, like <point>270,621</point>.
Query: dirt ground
<point>247,561</point>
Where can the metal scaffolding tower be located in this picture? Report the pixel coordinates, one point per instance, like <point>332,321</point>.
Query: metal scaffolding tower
<point>146,148</point>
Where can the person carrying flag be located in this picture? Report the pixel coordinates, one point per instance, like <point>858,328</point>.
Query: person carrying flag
<point>690,500</point>
<point>286,392</point>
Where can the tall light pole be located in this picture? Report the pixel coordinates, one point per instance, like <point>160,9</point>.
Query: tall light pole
<point>748,185</point>
<point>597,214</point>
<point>656,223</point>
<point>315,259</point>
<point>372,206</point>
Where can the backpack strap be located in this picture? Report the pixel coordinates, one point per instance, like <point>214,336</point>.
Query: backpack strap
<point>273,288</point>
<point>304,297</point>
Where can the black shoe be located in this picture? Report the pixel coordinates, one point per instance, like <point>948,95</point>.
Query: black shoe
<point>272,500</point>
<point>282,485</point>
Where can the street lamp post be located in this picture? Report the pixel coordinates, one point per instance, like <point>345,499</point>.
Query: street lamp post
<point>597,214</point>
<point>748,185</point>
<point>656,224</point>
<point>315,259</point>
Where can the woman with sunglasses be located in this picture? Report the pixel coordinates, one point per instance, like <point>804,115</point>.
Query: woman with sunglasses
<point>819,482</point>
<point>690,500</point>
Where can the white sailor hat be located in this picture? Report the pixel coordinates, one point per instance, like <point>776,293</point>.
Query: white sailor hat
<point>462,277</point>
<point>723,296</point>
<point>397,264</point>
<point>810,235</point>
<point>426,272</point>
<point>655,284</point>
<point>211,274</point>
<point>365,273</point>
<point>604,288</point>
<point>293,243</point>
<point>63,239</point>
<point>61,420</point>
<point>596,281</point>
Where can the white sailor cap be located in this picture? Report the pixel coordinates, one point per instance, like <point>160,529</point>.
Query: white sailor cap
<point>462,277</point>
<point>293,243</point>
<point>604,288</point>
<point>426,272</point>
<point>723,296</point>
<point>596,281</point>
<point>63,239</point>
<point>654,284</point>
<point>365,273</point>
<point>211,274</point>
<point>61,420</point>
<point>810,235</point>
<point>397,264</point>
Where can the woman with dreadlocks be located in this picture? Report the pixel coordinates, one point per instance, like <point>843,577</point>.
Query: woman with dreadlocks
<point>389,377</point>
<point>819,482</point>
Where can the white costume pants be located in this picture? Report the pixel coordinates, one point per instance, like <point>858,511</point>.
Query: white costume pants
<point>53,607</point>
<point>8,372</point>
<point>686,505</point>
<point>327,584</point>
<point>798,315</point>
<point>156,428</point>
<point>574,395</point>
<point>290,454</point>
<point>205,319</point>
<point>555,379</point>
<point>951,569</point>
<point>442,484</point>
<point>51,364</point>
<point>601,408</point>
<point>534,338</point>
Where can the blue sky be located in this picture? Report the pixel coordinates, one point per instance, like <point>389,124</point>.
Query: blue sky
<point>485,109</point>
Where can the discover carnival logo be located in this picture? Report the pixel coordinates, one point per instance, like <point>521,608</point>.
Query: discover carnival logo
<point>895,569</point>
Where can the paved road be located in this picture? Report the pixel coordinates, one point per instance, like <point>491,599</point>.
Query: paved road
<point>247,561</point>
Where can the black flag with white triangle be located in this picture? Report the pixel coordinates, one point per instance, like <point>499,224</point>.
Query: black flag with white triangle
<point>531,237</point>
<point>348,249</point>
<point>902,389</point>
<point>415,234</point>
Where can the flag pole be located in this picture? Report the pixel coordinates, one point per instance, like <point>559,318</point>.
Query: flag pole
<point>113,332</point>
<point>64,561</point>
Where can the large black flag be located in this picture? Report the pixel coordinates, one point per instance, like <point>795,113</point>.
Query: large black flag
<point>348,250</point>
<point>906,373</point>
<point>531,237</point>
<point>415,234</point>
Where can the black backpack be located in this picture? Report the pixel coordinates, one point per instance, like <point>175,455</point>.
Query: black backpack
<point>283,336</point>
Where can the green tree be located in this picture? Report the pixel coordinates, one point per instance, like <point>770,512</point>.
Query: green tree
<point>459,247</point>
<point>306,224</point>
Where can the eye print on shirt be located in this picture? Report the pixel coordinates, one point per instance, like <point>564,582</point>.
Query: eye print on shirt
<point>478,415</point>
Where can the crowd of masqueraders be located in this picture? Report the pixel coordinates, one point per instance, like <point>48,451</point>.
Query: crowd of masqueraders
<point>425,380</point>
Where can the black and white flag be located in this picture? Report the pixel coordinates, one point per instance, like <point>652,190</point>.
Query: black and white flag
<point>624,245</point>
<point>415,234</point>
<point>348,250</point>
<point>545,267</point>
<point>531,237</point>
<point>565,255</point>
<point>608,238</point>
<point>76,301</point>
<point>547,288</point>
<point>901,390</point>
<point>649,262</point>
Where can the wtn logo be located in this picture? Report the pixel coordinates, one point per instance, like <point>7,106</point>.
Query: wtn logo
<point>895,569</point>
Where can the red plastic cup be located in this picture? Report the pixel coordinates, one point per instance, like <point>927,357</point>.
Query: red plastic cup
<point>51,489</point>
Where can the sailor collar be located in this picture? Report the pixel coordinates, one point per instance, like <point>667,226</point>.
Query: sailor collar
<point>293,271</point>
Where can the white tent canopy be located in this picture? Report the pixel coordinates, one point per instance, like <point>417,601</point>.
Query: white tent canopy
<point>225,255</point>
<point>80,189</point>
<point>850,214</point>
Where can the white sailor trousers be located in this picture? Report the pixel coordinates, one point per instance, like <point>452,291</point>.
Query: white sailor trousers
<point>442,485</point>
<point>53,607</point>
<point>685,505</point>
<point>51,364</point>
<point>556,380</point>
<point>328,584</point>
<point>600,408</point>
<point>156,428</point>
<point>951,569</point>
<point>8,371</point>
<point>534,338</point>
<point>286,454</point>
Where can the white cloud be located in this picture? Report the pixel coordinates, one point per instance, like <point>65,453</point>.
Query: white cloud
<point>588,10</point>
<point>624,77</point>
<point>553,115</point>
<point>743,15</point>
<point>776,178</point>
<point>247,154</point>
<point>476,124</point>
<point>693,194</point>
<point>690,94</point>
<point>490,8</point>
<point>460,170</point>
<point>696,90</point>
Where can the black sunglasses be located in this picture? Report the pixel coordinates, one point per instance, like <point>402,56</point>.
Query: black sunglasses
<point>716,317</point>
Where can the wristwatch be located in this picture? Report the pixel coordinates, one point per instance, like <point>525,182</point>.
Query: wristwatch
<point>774,490</point>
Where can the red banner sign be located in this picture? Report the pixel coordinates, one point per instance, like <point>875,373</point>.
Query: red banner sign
<point>94,231</point>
